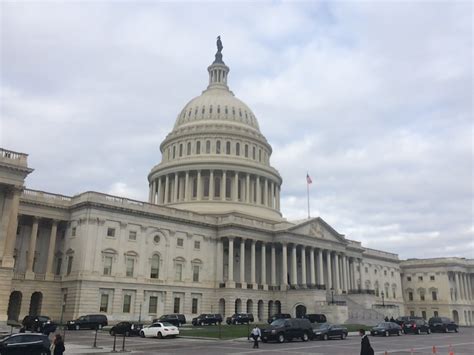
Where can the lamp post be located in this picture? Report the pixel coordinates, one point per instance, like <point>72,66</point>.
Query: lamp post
<point>332,295</point>
<point>140,314</point>
<point>383,299</point>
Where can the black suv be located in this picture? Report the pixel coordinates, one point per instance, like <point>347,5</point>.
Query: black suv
<point>90,321</point>
<point>401,320</point>
<point>207,318</point>
<point>176,319</point>
<point>316,318</point>
<point>416,326</point>
<point>288,329</point>
<point>278,316</point>
<point>39,324</point>
<point>126,328</point>
<point>442,324</point>
<point>25,343</point>
<point>325,331</point>
<point>240,318</point>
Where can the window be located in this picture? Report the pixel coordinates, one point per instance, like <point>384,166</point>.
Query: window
<point>153,305</point>
<point>246,150</point>
<point>69,264</point>
<point>218,147</point>
<point>188,149</point>
<point>423,314</point>
<point>206,186</point>
<point>111,232</point>
<point>181,149</point>
<point>176,305</point>
<point>197,244</point>
<point>432,278</point>
<point>259,155</point>
<point>180,242</point>
<point>253,153</point>
<point>179,272</point>
<point>227,148</point>
<point>104,302</point>
<point>130,263</point>
<point>108,265</point>
<point>58,266</point>
<point>73,232</point>
<point>410,296</point>
<point>435,314</point>
<point>194,306</point>
<point>394,292</point>
<point>155,267</point>
<point>132,235</point>
<point>174,152</point>
<point>237,149</point>
<point>408,278</point>
<point>228,183</point>
<point>422,296</point>
<point>375,271</point>
<point>196,273</point>
<point>198,147</point>
<point>127,301</point>
<point>412,313</point>
<point>366,270</point>
<point>420,278</point>
<point>434,295</point>
<point>208,147</point>
<point>392,273</point>
<point>195,184</point>
<point>385,272</point>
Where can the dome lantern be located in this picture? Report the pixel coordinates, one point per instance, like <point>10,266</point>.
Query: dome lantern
<point>218,71</point>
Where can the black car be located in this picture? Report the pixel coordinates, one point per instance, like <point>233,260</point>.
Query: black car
<point>240,318</point>
<point>39,324</point>
<point>386,329</point>
<point>416,326</point>
<point>401,320</point>
<point>442,324</point>
<point>316,318</point>
<point>176,319</point>
<point>278,316</point>
<point>325,331</point>
<point>90,321</point>
<point>126,328</point>
<point>25,343</point>
<point>207,319</point>
<point>288,329</point>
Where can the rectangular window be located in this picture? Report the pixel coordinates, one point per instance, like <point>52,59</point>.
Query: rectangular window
<point>176,305</point>
<point>435,314</point>
<point>58,266</point>
<point>127,301</point>
<point>420,278</point>
<point>73,232</point>
<point>392,273</point>
<point>432,278</point>
<point>194,307</point>
<point>179,272</point>
<point>130,266</point>
<point>385,272</point>
<point>180,242</point>
<point>366,270</point>
<point>196,273</point>
<point>153,305</point>
<point>422,296</point>
<point>412,313</point>
<point>132,235</point>
<point>104,302</point>
<point>410,296</point>
<point>197,244</point>
<point>423,314</point>
<point>408,278</point>
<point>394,293</point>
<point>434,295</point>
<point>108,265</point>
<point>69,264</point>
<point>111,232</point>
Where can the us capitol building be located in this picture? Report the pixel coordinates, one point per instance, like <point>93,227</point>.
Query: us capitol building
<point>210,239</point>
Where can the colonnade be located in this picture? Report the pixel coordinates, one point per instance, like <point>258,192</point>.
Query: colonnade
<point>285,265</point>
<point>463,285</point>
<point>224,185</point>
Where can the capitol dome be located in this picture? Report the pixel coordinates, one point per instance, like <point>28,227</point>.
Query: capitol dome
<point>215,160</point>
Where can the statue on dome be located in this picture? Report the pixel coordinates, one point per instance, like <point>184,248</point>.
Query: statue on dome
<point>219,44</point>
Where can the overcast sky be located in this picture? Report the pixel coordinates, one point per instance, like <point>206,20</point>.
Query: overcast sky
<point>373,99</point>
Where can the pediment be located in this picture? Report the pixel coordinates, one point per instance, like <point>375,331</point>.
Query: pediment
<point>318,228</point>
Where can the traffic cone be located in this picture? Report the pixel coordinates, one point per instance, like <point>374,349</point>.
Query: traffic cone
<point>451,351</point>
<point>411,351</point>
<point>434,349</point>
<point>386,353</point>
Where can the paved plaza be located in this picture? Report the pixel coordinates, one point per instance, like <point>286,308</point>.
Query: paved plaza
<point>80,342</point>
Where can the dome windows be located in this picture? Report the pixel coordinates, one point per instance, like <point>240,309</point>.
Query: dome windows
<point>218,147</point>
<point>198,147</point>
<point>227,147</point>
<point>246,150</point>
<point>180,150</point>
<point>237,149</point>
<point>208,147</point>
<point>188,150</point>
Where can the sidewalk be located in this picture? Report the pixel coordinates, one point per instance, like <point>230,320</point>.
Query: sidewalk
<point>83,349</point>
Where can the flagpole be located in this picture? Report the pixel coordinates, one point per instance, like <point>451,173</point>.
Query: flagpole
<point>307,193</point>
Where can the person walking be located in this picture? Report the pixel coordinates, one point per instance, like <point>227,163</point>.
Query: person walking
<point>57,347</point>
<point>255,335</point>
<point>365,347</point>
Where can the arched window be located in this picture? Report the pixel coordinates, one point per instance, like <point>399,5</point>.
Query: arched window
<point>253,153</point>
<point>218,109</point>
<point>237,148</point>
<point>259,155</point>
<point>208,147</point>
<point>246,150</point>
<point>174,152</point>
<point>217,186</point>
<point>188,150</point>
<point>181,149</point>
<point>155,267</point>
<point>198,147</point>
<point>218,147</point>
<point>227,148</point>
<point>210,109</point>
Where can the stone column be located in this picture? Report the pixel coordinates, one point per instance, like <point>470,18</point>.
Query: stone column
<point>312,267</point>
<point>235,195</point>
<point>277,192</point>
<point>361,274</point>
<point>344,271</point>
<point>272,189</point>
<point>294,275</point>
<point>231,260</point>
<point>247,188</point>
<point>199,186</point>
<point>167,186</point>
<point>320,267</point>
<point>252,262</point>
<point>273,266</point>
<point>328,266</point>
<point>265,192</point>
<point>211,185</point>
<point>220,260</point>
<point>150,193</point>
<point>32,247</point>
<point>242,261</point>
<point>186,187</point>
<point>264,264</point>
<point>337,286</point>
<point>52,246</point>
<point>304,281</point>
<point>259,194</point>
<point>223,185</point>
<point>284,276</point>
<point>12,203</point>
<point>469,286</point>
<point>464,285</point>
<point>176,186</point>
<point>157,194</point>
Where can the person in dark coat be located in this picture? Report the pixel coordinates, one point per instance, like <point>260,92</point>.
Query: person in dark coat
<point>58,345</point>
<point>386,319</point>
<point>392,320</point>
<point>365,347</point>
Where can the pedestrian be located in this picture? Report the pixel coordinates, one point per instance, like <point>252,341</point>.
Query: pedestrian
<point>392,320</point>
<point>365,347</point>
<point>57,347</point>
<point>255,335</point>
<point>386,319</point>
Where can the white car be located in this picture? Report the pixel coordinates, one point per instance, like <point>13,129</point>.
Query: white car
<point>160,330</point>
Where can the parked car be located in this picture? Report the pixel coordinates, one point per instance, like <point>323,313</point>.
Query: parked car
<point>386,329</point>
<point>240,318</point>
<point>288,329</point>
<point>39,324</point>
<point>126,328</point>
<point>160,330</point>
<point>401,320</point>
<point>90,321</point>
<point>25,343</point>
<point>416,326</point>
<point>442,324</point>
<point>278,316</point>
<point>316,318</point>
<point>207,318</point>
<point>176,319</point>
<point>325,331</point>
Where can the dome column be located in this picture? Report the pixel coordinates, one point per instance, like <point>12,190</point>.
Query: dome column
<point>265,193</point>
<point>223,185</point>
<point>272,189</point>
<point>235,194</point>
<point>259,194</point>
<point>211,185</point>
<point>167,186</point>
<point>176,187</point>
<point>199,187</point>
<point>186,187</point>
<point>247,188</point>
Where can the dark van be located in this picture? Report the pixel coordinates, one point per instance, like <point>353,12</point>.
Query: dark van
<point>90,321</point>
<point>316,318</point>
<point>175,318</point>
<point>288,329</point>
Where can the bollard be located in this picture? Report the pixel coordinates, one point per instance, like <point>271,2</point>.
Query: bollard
<point>434,349</point>
<point>64,333</point>
<point>123,343</point>
<point>220,323</point>
<point>115,341</point>
<point>386,352</point>
<point>11,330</point>
<point>248,330</point>
<point>95,339</point>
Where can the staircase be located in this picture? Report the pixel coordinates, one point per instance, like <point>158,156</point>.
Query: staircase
<point>359,313</point>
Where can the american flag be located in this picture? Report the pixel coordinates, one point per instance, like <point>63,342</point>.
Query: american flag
<point>308,179</point>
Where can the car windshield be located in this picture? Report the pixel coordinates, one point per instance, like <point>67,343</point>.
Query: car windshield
<point>278,323</point>
<point>382,325</point>
<point>321,326</point>
<point>166,324</point>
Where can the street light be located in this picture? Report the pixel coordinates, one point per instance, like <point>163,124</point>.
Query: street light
<point>383,299</point>
<point>332,295</point>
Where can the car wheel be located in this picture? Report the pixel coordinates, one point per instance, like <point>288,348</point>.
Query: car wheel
<point>325,337</point>
<point>142,334</point>
<point>418,331</point>
<point>386,333</point>
<point>445,330</point>
<point>112,333</point>
<point>281,338</point>
<point>428,331</point>
<point>78,327</point>
<point>343,336</point>
<point>100,326</point>
<point>264,340</point>
<point>159,335</point>
<point>201,324</point>
<point>127,333</point>
<point>455,330</point>
<point>305,337</point>
<point>399,333</point>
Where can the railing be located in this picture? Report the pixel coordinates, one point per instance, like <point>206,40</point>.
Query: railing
<point>361,292</point>
<point>20,158</point>
<point>385,306</point>
<point>238,285</point>
<point>260,287</point>
<point>19,276</point>
<point>250,286</point>
<point>45,195</point>
<point>332,303</point>
<point>40,277</point>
